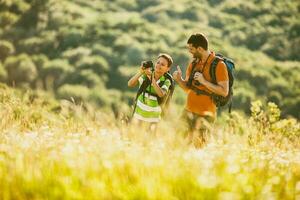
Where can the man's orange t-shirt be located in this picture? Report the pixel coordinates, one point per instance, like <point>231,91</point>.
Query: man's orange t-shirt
<point>203,105</point>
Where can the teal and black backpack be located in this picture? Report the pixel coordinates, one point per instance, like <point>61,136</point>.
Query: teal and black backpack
<point>219,100</point>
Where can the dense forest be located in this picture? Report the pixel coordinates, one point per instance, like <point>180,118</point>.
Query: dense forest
<point>87,50</point>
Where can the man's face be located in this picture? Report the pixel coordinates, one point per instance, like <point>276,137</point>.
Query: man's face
<point>196,52</point>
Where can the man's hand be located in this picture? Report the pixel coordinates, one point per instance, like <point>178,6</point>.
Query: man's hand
<point>177,74</point>
<point>199,77</point>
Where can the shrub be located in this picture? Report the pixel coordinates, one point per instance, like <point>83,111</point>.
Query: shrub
<point>70,38</point>
<point>85,77</point>
<point>45,43</point>
<point>144,4</point>
<point>242,98</point>
<point>267,120</point>
<point>6,49</point>
<point>7,18</point>
<point>40,61</point>
<point>96,63</point>
<point>55,72</point>
<point>100,97</point>
<point>77,92</point>
<point>3,73</point>
<point>100,50</point>
<point>76,54</point>
<point>134,54</point>
<point>20,69</point>
<point>31,45</point>
<point>49,43</point>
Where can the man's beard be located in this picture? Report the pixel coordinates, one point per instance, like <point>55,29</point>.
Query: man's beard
<point>197,55</point>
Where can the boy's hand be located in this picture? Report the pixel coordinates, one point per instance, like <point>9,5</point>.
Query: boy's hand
<point>142,69</point>
<point>147,72</point>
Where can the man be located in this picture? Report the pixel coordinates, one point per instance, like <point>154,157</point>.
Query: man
<point>200,109</point>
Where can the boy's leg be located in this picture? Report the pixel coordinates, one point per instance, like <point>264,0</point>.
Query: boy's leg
<point>153,128</point>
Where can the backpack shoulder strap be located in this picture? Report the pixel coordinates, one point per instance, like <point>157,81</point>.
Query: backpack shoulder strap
<point>141,90</point>
<point>194,63</point>
<point>161,83</point>
<point>167,98</point>
<point>213,67</point>
<point>168,76</point>
<point>143,87</point>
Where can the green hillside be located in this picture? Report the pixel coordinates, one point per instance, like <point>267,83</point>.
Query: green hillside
<point>88,49</point>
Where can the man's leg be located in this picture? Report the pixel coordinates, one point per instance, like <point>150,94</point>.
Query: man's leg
<point>202,129</point>
<point>188,119</point>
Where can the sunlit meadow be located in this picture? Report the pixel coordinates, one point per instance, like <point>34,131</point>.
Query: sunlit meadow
<point>65,150</point>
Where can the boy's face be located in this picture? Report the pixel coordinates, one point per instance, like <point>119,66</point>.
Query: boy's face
<point>161,65</point>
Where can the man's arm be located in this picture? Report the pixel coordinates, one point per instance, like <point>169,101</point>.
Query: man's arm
<point>177,75</point>
<point>221,88</point>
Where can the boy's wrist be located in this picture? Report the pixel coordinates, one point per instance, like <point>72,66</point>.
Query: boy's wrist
<point>140,72</point>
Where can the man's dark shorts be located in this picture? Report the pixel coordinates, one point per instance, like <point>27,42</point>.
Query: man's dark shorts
<point>197,122</point>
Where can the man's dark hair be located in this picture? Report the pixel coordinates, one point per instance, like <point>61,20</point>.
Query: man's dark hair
<point>198,40</point>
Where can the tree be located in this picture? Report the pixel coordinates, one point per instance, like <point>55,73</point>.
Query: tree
<point>96,63</point>
<point>54,73</point>
<point>3,73</point>
<point>20,69</point>
<point>6,49</point>
<point>76,54</point>
<point>77,92</point>
<point>85,77</point>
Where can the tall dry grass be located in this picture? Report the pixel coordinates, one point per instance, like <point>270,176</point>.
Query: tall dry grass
<point>51,150</point>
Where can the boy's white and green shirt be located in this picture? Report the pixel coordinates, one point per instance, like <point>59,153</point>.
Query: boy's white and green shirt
<point>148,108</point>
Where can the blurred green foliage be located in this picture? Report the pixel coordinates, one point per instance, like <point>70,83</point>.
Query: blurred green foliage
<point>6,49</point>
<point>20,69</point>
<point>88,49</point>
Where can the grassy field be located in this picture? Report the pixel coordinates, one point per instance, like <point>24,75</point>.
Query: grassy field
<point>64,150</point>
